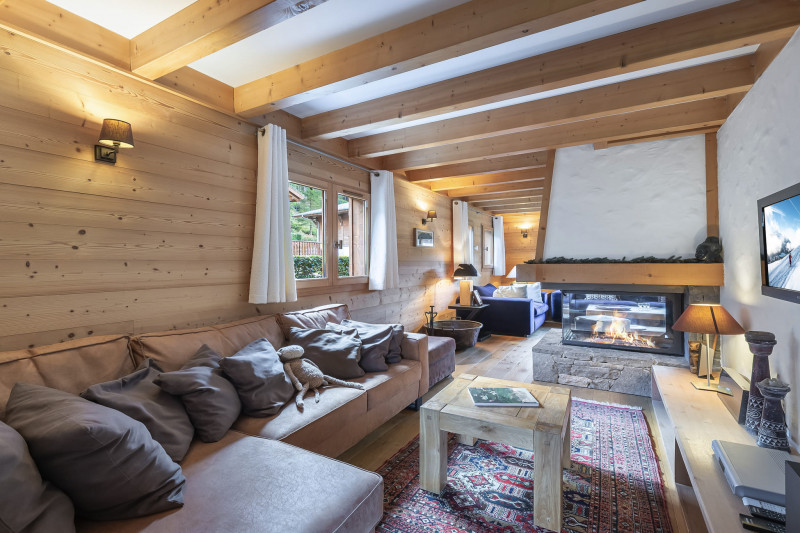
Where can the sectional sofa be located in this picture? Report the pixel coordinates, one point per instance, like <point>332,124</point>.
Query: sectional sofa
<point>266,474</point>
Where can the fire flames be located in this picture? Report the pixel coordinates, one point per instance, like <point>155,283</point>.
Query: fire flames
<point>616,332</point>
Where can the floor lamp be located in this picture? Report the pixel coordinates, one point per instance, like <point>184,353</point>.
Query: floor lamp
<point>709,319</point>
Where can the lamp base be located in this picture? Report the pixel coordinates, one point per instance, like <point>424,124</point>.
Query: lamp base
<point>714,388</point>
<point>465,293</point>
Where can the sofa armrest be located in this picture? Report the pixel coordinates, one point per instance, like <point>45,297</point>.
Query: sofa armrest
<point>415,347</point>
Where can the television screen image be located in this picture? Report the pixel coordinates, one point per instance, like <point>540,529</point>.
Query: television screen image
<point>782,243</point>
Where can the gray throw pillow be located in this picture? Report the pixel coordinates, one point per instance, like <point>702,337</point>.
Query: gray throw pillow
<point>104,460</point>
<point>140,398</point>
<point>336,354</point>
<point>210,399</point>
<point>375,340</point>
<point>257,372</point>
<point>28,504</point>
<point>396,346</point>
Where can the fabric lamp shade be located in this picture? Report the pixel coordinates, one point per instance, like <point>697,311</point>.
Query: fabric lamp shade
<point>431,215</point>
<point>465,270</point>
<point>708,318</point>
<point>116,133</point>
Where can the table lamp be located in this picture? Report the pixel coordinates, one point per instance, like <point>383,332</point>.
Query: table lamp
<point>463,272</point>
<point>709,319</point>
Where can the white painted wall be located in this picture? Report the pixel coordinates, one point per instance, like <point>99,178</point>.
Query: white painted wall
<point>628,201</point>
<point>759,154</point>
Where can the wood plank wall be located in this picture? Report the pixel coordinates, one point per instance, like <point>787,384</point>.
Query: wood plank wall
<point>163,239</point>
<point>518,249</point>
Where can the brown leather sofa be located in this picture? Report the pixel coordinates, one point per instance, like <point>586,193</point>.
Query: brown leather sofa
<point>262,476</point>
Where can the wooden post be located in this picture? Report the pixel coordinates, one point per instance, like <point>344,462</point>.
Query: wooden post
<point>432,449</point>
<point>545,209</point>
<point>712,193</point>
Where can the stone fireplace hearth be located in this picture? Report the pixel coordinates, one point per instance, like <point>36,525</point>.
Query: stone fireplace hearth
<point>596,368</point>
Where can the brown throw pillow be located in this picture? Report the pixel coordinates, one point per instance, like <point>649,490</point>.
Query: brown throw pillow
<point>104,460</point>
<point>375,340</point>
<point>336,354</point>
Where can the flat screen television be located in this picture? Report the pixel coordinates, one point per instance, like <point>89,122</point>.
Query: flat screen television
<point>779,220</point>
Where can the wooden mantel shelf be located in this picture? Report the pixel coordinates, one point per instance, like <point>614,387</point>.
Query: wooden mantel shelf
<point>697,274</point>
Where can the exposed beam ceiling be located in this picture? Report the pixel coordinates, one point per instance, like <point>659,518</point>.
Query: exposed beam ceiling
<point>514,211</point>
<point>530,196</point>
<point>203,28</point>
<point>461,30</point>
<point>505,202</point>
<point>692,115</point>
<point>707,32</point>
<point>697,83</point>
<point>526,186</point>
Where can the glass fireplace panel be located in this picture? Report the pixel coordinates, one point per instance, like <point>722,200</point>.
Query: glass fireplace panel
<point>623,320</point>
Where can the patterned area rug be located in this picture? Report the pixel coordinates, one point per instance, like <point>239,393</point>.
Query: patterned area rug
<point>614,484</point>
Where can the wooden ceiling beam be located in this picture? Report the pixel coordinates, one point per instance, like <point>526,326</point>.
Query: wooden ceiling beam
<point>529,186</point>
<point>487,166</point>
<point>463,29</point>
<point>486,204</point>
<point>204,27</point>
<point>656,137</point>
<point>66,29</point>
<point>719,29</point>
<point>515,211</point>
<point>197,85</point>
<point>499,178</point>
<point>513,207</point>
<point>705,113</point>
<point>720,78</point>
<point>529,196</point>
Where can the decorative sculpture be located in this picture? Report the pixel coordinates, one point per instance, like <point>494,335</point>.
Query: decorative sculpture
<point>431,314</point>
<point>761,345</point>
<point>772,430</point>
<point>709,251</point>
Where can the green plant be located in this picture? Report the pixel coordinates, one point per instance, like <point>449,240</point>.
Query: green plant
<point>311,266</point>
<point>344,266</point>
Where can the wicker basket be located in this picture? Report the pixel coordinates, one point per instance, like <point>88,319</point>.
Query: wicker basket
<point>465,332</point>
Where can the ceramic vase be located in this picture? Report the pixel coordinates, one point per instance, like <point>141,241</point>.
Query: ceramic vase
<point>772,430</point>
<point>761,344</point>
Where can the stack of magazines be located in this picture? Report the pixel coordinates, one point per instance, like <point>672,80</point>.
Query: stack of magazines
<point>502,397</point>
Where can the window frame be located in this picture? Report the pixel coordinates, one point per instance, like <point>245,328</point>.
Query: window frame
<point>307,287</point>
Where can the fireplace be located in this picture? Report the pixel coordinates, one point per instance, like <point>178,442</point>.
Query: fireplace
<point>623,321</point>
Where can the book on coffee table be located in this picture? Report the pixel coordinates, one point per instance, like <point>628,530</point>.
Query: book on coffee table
<point>502,397</point>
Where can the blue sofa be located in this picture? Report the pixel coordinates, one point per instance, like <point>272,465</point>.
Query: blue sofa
<point>518,317</point>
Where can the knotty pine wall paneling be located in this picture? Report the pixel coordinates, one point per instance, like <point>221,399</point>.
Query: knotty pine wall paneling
<point>162,240</point>
<point>519,249</point>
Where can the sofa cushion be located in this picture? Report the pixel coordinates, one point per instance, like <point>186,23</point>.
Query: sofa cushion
<point>242,332</point>
<point>396,345</point>
<point>510,291</point>
<point>171,349</point>
<point>335,353</point>
<point>315,318</point>
<point>532,291</point>
<point>276,487</point>
<point>486,290</point>
<point>69,366</point>
<point>317,426</point>
<point>138,397</point>
<point>375,341</point>
<point>105,461</point>
<point>385,385</point>
<point>209,398</point>
<point>441,358</point>
<point>28,504</point>
<point>257,373</point>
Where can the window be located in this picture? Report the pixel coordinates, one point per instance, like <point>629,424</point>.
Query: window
<point>330,233</point>
<point>307,209</point>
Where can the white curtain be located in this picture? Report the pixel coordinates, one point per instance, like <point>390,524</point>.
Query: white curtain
<point>384,272</point>
<point>499,246</point>
<point>272,272</point>
<point>461,251</point>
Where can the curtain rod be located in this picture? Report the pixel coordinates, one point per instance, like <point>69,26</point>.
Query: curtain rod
<point>320,152</point>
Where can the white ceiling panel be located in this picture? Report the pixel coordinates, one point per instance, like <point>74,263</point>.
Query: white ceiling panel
<point>128,18</point>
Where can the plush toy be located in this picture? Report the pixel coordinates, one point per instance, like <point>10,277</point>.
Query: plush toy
<point>305,374</point>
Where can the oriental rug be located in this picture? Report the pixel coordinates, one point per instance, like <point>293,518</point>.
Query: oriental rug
<point>613,486</point>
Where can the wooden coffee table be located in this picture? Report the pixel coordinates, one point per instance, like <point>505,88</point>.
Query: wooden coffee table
<point>545,430</point>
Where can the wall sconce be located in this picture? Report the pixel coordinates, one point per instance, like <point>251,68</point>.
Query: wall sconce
<point>114,134</point>
<point>524,233</point>
<point>431,216</point>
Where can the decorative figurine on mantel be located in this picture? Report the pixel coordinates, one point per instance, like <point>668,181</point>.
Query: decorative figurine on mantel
<point>761,344</point>
<point>709,251</point>
<point>772,430</point>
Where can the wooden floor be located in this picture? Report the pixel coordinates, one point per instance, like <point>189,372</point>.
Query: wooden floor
<point>505,358</point>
